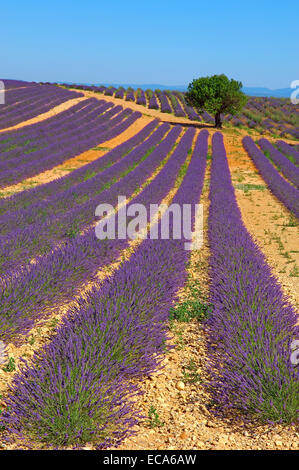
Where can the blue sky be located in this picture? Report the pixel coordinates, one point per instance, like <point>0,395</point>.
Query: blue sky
<point>167,41</point>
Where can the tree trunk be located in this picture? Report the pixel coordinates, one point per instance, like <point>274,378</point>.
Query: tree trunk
<point>218,122</point>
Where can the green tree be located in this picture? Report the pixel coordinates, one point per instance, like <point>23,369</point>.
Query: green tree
<point>217,95</point>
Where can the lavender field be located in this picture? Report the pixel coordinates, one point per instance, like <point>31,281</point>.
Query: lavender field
<point>123,343</point>
<point>276,116</point>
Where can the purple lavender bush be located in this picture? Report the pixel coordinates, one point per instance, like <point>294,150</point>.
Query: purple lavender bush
<point>140,97</point>
<point>283,190</point>
<point>35,195</point>
<point>164,104</point>
<point>289,150</point>
<point>25,103</point>
<point>288,169</point>
<point>56,275</point>
<point>252,324</point>
<point>58,219</point>
<point>105,127</point>
<point>110,91</point>
<point>79,388</point>
<point>130,95</point>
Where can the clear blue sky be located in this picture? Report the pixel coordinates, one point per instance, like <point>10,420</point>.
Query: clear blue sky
<point>160,41</point>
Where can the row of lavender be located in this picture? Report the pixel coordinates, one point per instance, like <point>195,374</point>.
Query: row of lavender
<point>16,145</point>
<point>252,325</point>
<point>11,84</point>
<point>165,101</point>
<point>278,116</point>
<point>27,102</point>
<point>275,115</point>
<point>66,213</point>
<point>79,388</point>
<point>283,163</point>
<point>25,139</point>
<point>37,148</point>
<point>290,151</point>
<point>34,195</point>
<point>286,192</point>
<point>60,271</point>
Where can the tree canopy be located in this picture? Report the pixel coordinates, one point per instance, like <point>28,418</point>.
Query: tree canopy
<point>217,95</point>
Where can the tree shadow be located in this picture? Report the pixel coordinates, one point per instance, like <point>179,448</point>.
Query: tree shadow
<point>199,125</point>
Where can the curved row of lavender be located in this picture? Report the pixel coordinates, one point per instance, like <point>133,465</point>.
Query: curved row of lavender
<point>57,123</point>
<point>10,117</point>
<point>45,224</point>
<point>15,97</point>
<point>31,196</point>
<point>60,195</point>
<point>189,110</point>
<point>33,143</point>
<point>176,105</point>
<point>11,84</point>
<point>50,120</point>
<point>79,388</point>
<point>13,142</point>
<point>100,115</point>
<point>130,96</point>
<point>140,97</point>
<point>36,137</point>
<point>25,103</point>
<point>164,103</point>
<point>283,190</point>
<point>152,100</point>
<point>31,164</point>
<point>288,169</point>
<point>26,294</point>
<point>289,150</point>
<point>120,93</point>
<point>206,117</point>
<point>153,97</point>
<point>110,91</point>
<point>104,127</point>
<point>252,324</point>
<point>272,114</point>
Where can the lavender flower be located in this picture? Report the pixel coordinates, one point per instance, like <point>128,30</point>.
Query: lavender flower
<point>252,324</point>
